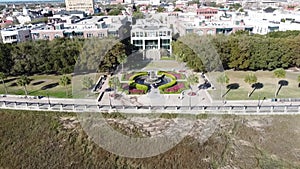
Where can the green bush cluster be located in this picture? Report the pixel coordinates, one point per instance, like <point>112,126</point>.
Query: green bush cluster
<point>168,116</point>
<point>170,84</point>
<point>139,86</point>
<point>166,74</point>
<point>165,86</point>
<point>137,75</point>
<point>186,86</point>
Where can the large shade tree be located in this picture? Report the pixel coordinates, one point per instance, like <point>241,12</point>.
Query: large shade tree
<point>23,81</point>
<point>250,79</point>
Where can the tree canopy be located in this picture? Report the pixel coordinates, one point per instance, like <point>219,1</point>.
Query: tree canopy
<point>60,55</point>
<point>239,51</point>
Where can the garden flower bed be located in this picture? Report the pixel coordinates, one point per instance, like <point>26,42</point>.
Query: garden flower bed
<point>126,76</point>
<point>177,75</point>
<point>176,89</point>
<point>136,91</point>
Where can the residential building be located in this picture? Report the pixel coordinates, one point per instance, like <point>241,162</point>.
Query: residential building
<point>97,26</point>
<point>80,5</point>
<point>151,34</point>
<point>12,35</point>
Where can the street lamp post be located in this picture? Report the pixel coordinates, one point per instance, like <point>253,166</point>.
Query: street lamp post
<point>110,105</point>
<point>48,98</point>
<point>190,100</point>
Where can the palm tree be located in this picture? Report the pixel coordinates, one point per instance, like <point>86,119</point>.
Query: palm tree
<point>24,81</point>
<point>3,77</point>
<point>122,59</point>
<point>223,79</point>
<point>64,81</point>
<point>250,79</point>
<point>192,79</point>
<point>279,73</point>
<point>87,82</point>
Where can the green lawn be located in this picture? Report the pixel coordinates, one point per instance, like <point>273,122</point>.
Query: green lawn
<point>41,85</point>
<point>270,85</point>
<point>167,58</point>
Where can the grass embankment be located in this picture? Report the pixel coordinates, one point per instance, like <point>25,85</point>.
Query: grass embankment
<point>41,85</point>
<point>55,140</point>
<point>266,78</point>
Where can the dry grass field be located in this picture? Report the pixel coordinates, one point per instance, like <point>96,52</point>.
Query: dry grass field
<point>56,140</point>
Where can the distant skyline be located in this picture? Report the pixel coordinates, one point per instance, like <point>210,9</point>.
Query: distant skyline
<point>3,1</point>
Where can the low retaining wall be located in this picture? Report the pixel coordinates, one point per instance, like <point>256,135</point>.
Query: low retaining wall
<point>237,110</point>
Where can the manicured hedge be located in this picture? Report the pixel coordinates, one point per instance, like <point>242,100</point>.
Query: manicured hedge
<point>137,86</point>
<point>165,86</point>
<point>137,75</point>
<point>141,87</point>
<point>166,74</point>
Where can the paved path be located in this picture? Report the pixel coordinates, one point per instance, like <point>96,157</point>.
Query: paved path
<point>89,105</point>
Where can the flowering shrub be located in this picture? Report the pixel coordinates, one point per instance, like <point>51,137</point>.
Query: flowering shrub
<point>177,75</point>
<point>175,88</point>
<point>136,91</point>
<point>125,86</point>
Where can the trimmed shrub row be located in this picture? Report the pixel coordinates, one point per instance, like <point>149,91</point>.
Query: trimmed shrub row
<point>166,74</point>
<point>137,86</point>
<point>137,75</point>
<point>177,75</point>
<point>168,85</point>
<point>165,86</point>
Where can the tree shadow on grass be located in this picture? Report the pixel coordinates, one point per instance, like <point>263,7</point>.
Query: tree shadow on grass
<point>256,86</point>
<point>14,84</point>
<point>49,86</point>
<point>38,83</point>
<point>9,80</point>
<point>232,86</point>
<point>136,61</point>
<point>281,83</point>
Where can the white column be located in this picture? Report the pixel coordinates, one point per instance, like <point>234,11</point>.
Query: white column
<point>285,109</point>
<point>158,42</point>
<point>144,44</point>
<point>272,109</point>
<point>171,46</point>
